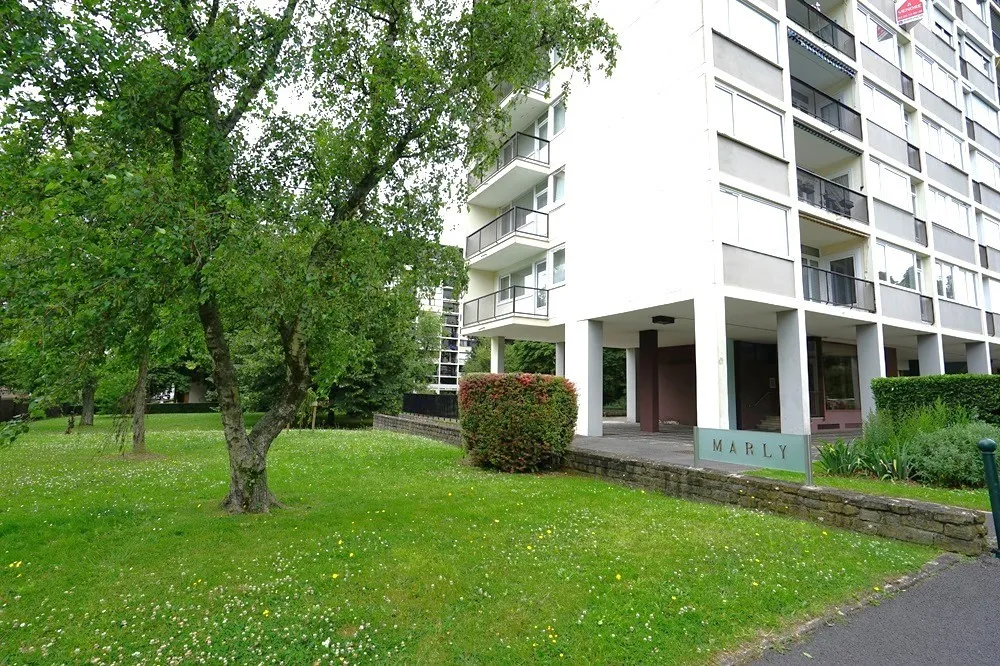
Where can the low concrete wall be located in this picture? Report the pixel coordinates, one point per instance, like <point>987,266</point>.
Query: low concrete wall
<point>439,429</point>
<point>943,527</point>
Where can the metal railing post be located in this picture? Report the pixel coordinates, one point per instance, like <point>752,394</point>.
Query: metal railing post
<point>988,449</point>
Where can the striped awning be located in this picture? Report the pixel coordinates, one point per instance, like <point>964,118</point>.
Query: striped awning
<point>820,53</point>
<point>826,137</point>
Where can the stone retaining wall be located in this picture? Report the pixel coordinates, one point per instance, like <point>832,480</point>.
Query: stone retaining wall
<point>943,527</point>
<point>439,429</point>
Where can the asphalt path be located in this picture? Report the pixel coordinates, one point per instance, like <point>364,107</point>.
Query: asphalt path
<point>952,617</point>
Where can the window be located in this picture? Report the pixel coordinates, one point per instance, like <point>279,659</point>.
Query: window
<point>942,26</point>
<point>898,266</point>
<point>982,113</point>
<point>840,376</point>
<point>558,187</point>
<point>989,232</point>
<point>991,294</point>
<point>749,121</point>
<point>890,185</point>
<point>977,59</point>
<point>559,116</point>
<point>937,78</point>
<point>942,144</point>
<point>948,212</point>
<point>558,266</point>
<point>883,110</point>
<point>752,223</point>
<point>985,170</point>
<point>748,27</point>
<point>878,36</point>
<point>956,283</point>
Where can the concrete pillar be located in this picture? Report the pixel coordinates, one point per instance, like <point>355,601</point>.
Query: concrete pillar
<point>871,363</point>
<point>497,350</point>
<point>977,356</point>
<point>631,361</point>
<point>930,354</point>
<point>648,384</point>
<point>793,373</point>
<point>711,361</point>
<point>561,359</point>
<point>585,368</point>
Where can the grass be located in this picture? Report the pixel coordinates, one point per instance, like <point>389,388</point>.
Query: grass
<point>968,498</point>
<point>389,550</point>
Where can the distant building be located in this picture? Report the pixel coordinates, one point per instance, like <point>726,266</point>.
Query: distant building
<point>455,348</point>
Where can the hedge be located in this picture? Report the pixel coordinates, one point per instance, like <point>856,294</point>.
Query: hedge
<point>974,392</point>
<point>181,407</point>
<point>517,422</point>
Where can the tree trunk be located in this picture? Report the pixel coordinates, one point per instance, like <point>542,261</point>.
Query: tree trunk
<point>70,422</point>
<point>87,411</point>
<point>139,405</point>
<point>248,489</point>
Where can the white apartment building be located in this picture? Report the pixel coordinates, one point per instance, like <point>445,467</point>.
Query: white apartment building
<point>455,347</point>
<point>769,204</point>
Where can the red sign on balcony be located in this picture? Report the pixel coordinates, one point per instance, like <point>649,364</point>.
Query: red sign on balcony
<point>909,11</point>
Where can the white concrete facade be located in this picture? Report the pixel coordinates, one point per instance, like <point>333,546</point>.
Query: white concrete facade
<point>798,197</point>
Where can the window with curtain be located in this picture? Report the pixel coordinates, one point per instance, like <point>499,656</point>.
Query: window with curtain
<point>898,267</point>
<point>748,121</point>
<point>752,223</point>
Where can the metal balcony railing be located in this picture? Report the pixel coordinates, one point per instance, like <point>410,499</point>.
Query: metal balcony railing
<point>832,288</point>
<point>926,309</point>
<point>516,221</point>
<point>822,27</point>
<point>832,197</point>
<point>819,105</point>
<point>518,147</point>
<point>509,302</point>
<point>503,90</point>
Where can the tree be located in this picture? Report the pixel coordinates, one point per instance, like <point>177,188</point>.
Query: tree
<point>283,224</point>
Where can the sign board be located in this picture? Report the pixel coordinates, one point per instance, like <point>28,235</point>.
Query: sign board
<point>909,11</point>
<point>754,449</point>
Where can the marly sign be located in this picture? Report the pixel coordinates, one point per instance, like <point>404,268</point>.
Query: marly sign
<point>754,449</point>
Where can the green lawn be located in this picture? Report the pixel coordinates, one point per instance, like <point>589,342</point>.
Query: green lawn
<point>968,498</point>
<point>389,550</point>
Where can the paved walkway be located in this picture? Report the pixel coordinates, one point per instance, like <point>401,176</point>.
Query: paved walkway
<point>950,618</point>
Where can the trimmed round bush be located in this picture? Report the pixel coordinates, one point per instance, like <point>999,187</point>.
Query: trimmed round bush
<point>950,457</point>
<point>517,422</point>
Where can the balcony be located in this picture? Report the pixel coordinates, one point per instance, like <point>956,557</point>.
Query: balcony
<point>821,27</point>
<point>522,161</point>
<point>524,105</point>
<point>831,197</point>
<point>847,291</point>
<point>512,237</point>
<point>821,106</point>
<point>980,80</point>
<point>511,302</point>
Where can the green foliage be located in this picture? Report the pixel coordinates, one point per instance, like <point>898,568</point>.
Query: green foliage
<point>517,422</point>
<point>530,356</point>
<point>950,457</point>
<point>838,458</point>
<point>978,394</point>
<point>12,429</point>
<point>895,446</point>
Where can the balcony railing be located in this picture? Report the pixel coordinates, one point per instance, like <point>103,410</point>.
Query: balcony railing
<point>503,90</point>
<point>822,27</point>
<point>920,231</point>
<point>509,302</point>
<point>515,221</point>
<point>518,147</point>
<point>887,70</point>
<point>926,310</point>
<point>832,197</point>
<point>819,105</point>
<point>832,288</point>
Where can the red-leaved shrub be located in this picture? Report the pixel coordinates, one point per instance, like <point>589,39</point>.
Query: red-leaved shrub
<point>517,422</point>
